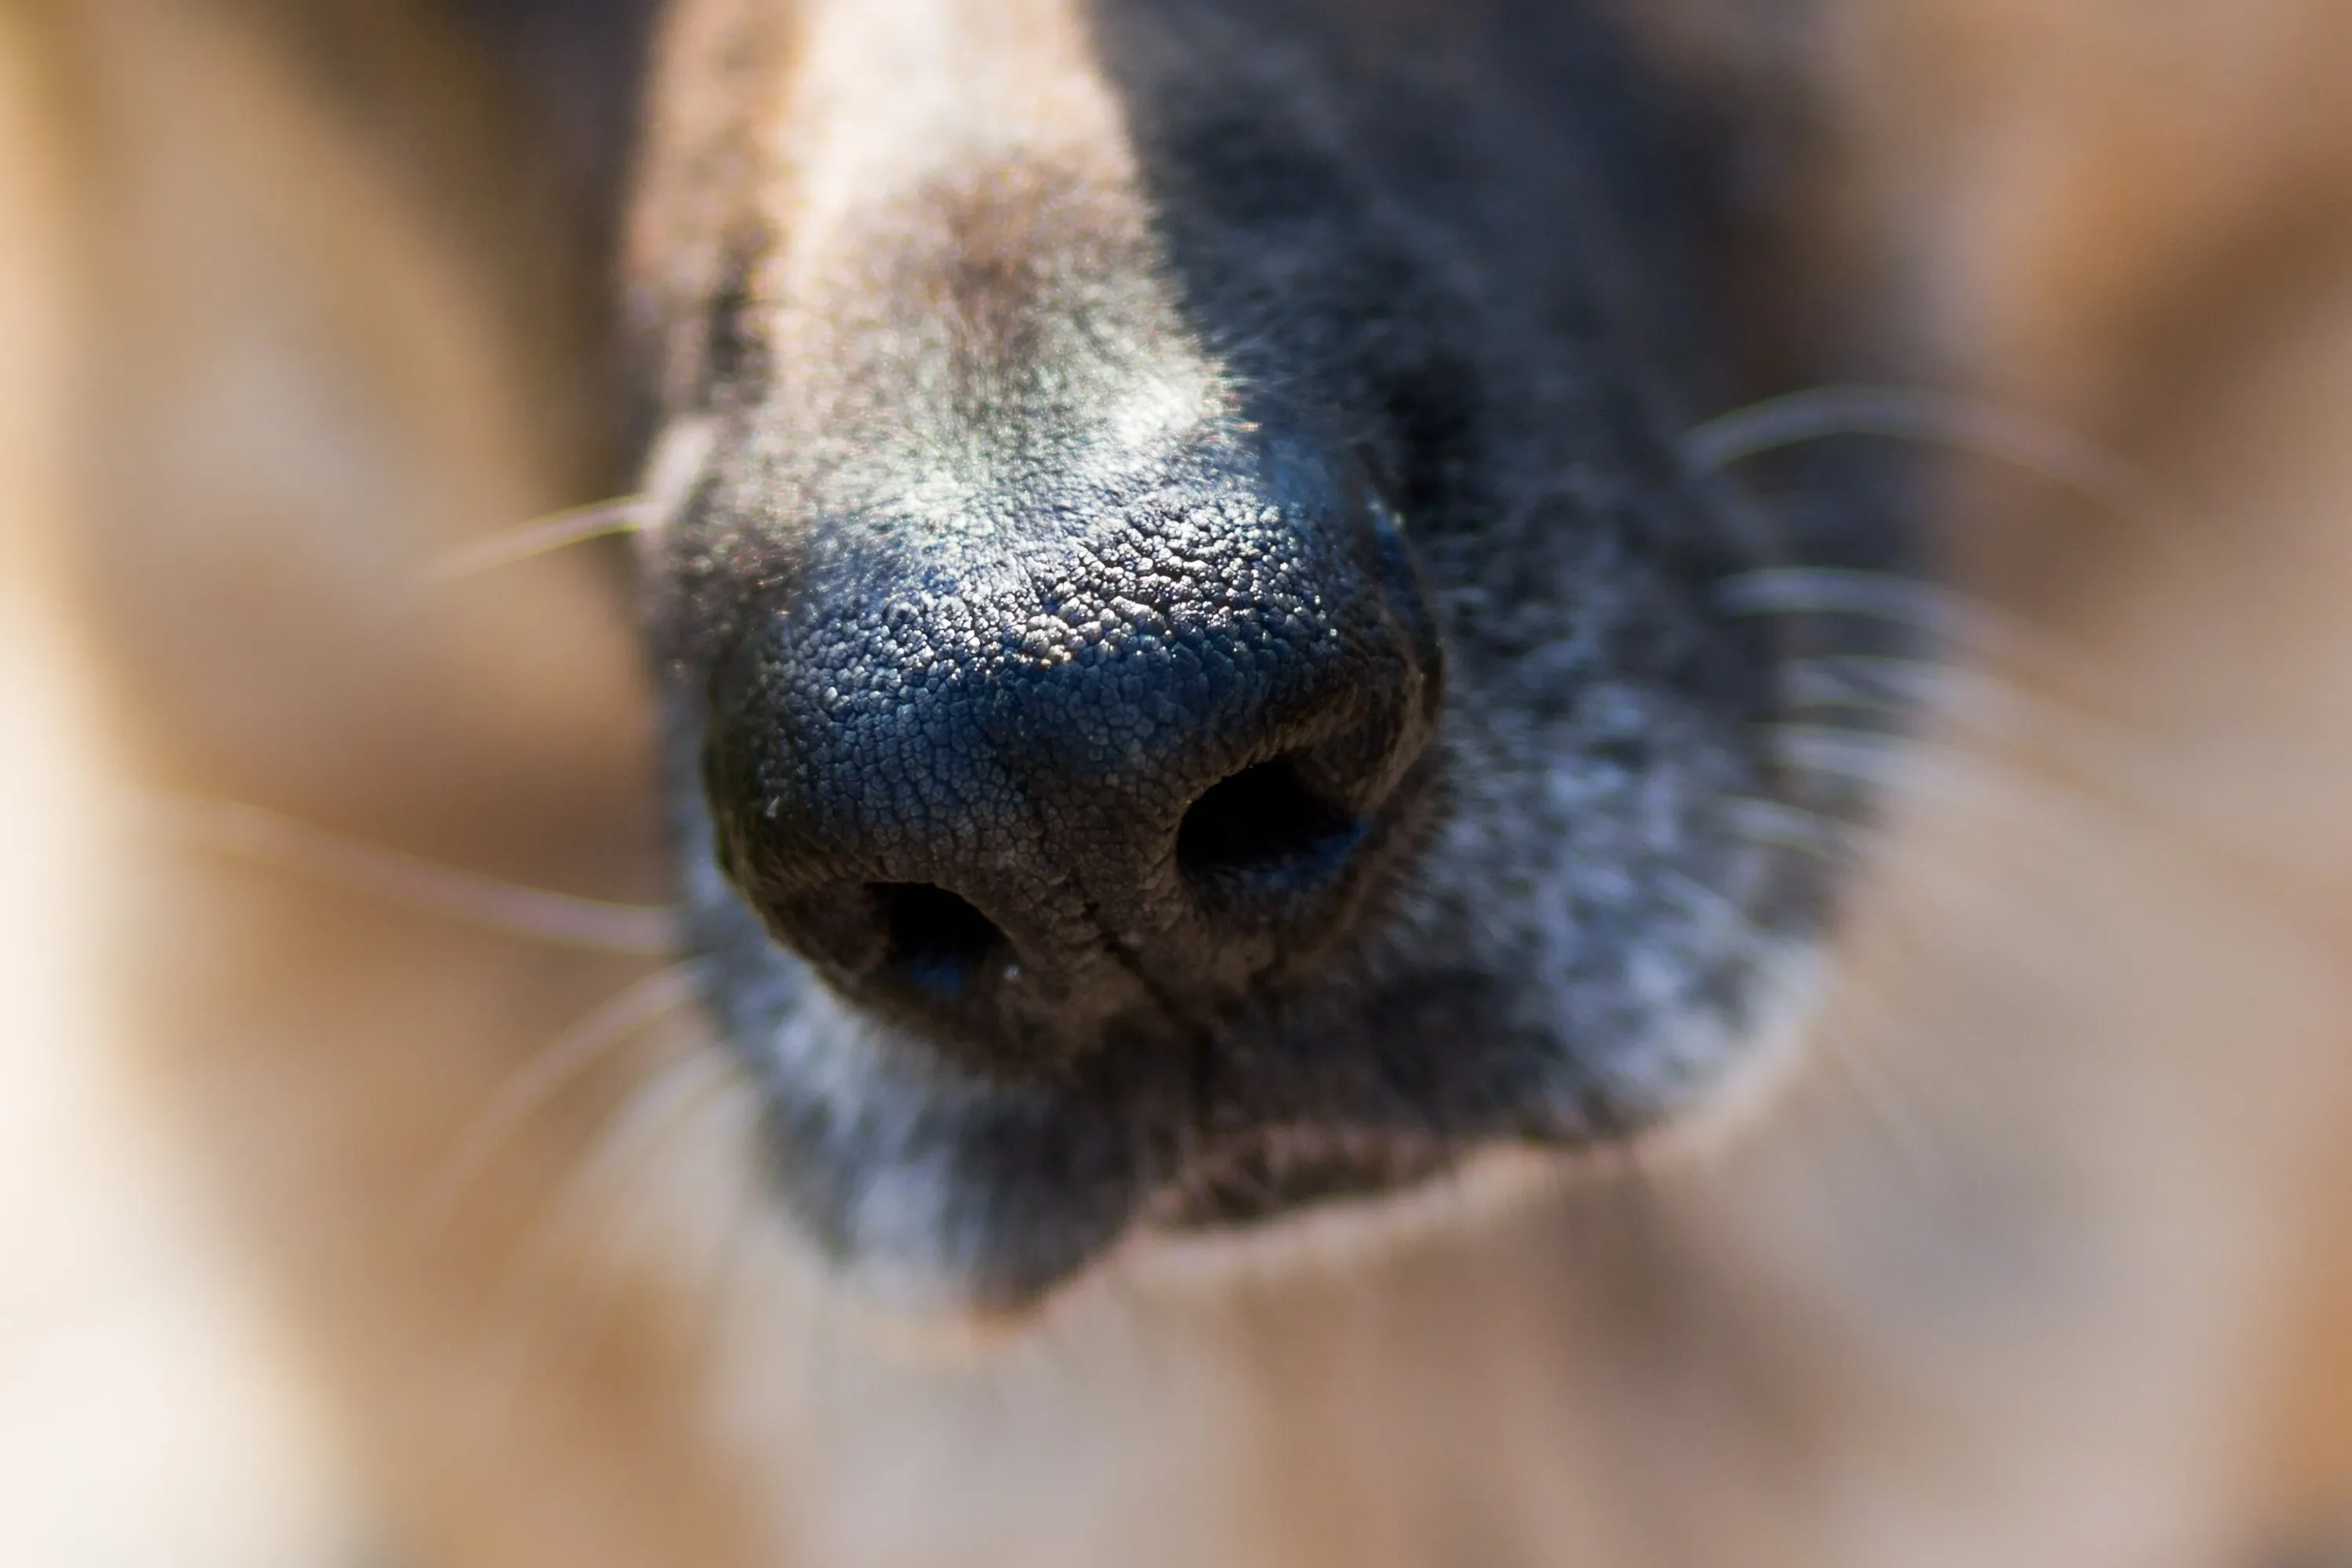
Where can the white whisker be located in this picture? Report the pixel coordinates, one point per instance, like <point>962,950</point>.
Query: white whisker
<point>725,1278</point>
<point>541,536</point>
<point>1937,418</point>
<point>638,931</point>
<point>1856,755</point>
<point>1898,601</point>
<point>546,1071</point>
<point>1872,683</point>
<point>1776,824</point>
<point>556,1268</point>
<point>1893,1113</point>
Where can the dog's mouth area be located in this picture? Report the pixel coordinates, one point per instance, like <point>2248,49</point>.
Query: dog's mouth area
<point>1271,1174</point>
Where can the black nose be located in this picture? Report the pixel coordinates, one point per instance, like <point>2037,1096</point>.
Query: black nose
<point>1012,777</point>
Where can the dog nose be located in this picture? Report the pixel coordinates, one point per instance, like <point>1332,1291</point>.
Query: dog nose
<point>1013,780</point>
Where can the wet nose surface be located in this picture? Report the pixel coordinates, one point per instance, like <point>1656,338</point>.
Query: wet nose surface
<point>1013,779</point>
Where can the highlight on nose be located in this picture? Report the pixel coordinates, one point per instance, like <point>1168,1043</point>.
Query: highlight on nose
<point>1017,785</point>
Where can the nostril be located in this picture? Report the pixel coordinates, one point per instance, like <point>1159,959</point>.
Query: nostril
<point>936,940</point>
<point>1264,824</point>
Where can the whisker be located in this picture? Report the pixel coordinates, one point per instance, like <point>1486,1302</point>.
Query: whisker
<point>1869,683</point>
<point>1938,418</point>
<point>1898,601</point>
<point>1913,695</point>
<point>1709,906</point>
<point>1896,767</point>
<point>541,536</point>
<point>727,1274</point>
<point>1776,825</point>
<point>546,1071</point>
<point>638,931</point>
<point>1858,755</point>
<point>1959,712</point>
<point>1902,767</point>
<point>569,1267</point>
<point>1898,1116</point>
<point>700,1240</point>
<point>1991,640</point>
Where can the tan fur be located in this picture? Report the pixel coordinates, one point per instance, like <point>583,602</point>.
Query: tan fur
<point>2041,1258</point>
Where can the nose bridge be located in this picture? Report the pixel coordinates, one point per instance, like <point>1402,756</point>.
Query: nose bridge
<point>892,93</point>
<point>972,270</point>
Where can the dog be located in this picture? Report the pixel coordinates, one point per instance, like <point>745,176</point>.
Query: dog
<point>1389,783</point>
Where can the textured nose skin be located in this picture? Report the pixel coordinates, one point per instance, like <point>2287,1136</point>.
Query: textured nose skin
<point>1015,778</point>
